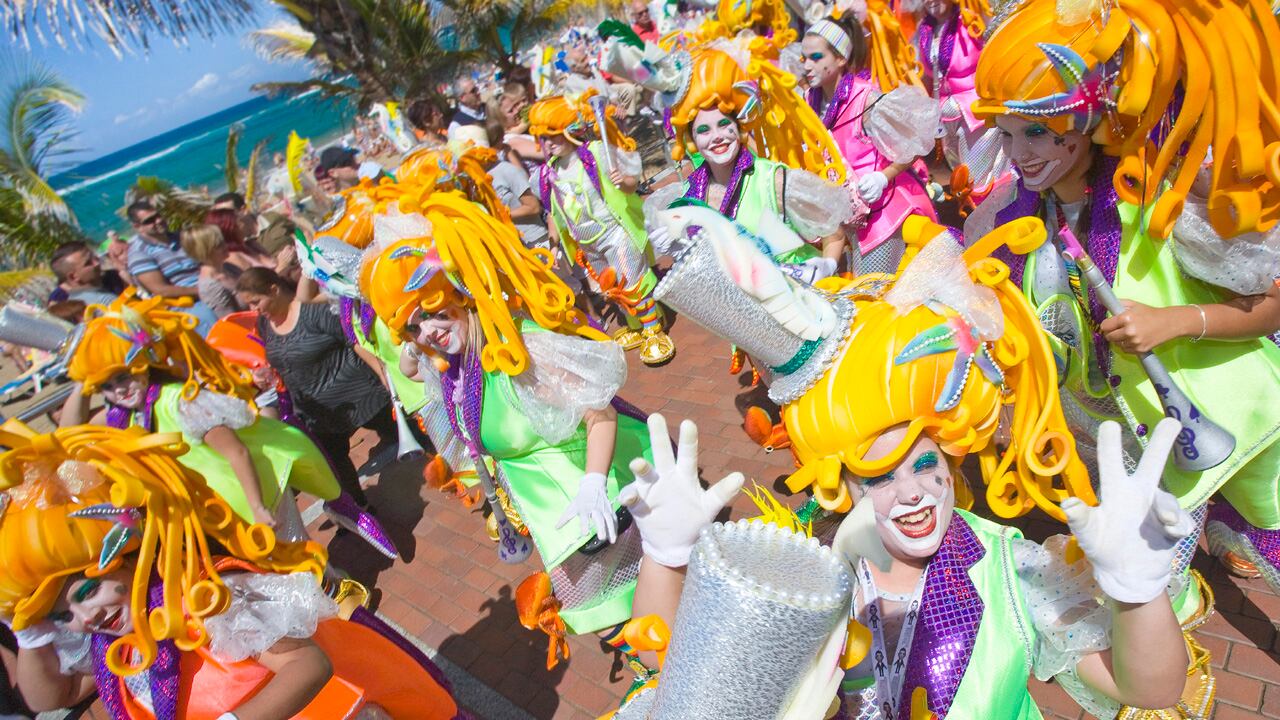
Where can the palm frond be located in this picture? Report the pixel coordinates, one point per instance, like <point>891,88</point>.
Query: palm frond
<point>37,134</point>
<point>251,174</point>
<point>26,239</point>
<point>179,207</point>
<point>231,169</point>
<point>124,25</point>
<point>285,42</point>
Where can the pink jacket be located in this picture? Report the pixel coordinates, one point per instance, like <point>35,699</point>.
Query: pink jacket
<point>956,63</point>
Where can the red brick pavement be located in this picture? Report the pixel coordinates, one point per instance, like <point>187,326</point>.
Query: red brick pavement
<point>452,593</point>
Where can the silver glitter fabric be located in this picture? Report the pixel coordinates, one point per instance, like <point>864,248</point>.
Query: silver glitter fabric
<point>758,604</point>
<point>19,328</point>
<point>583,581</point>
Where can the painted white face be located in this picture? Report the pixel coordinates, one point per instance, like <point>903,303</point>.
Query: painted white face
<point>126,389</point>
<point>1042,156</point>
<point>915,501</point>
<point>96,605</point>
<point>444,331</point>
<point>716,136</point>
<point>822,64</point>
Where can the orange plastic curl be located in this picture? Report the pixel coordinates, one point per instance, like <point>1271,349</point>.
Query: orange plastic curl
<point>1218,58</point>
<point>784,128</point>
<point>538,608</point>
<point>648,633</point>
<point>573,118</point>
<point>865,393</point>
<point>891,56</point>
<point>41,547</point>
<point>158,335</point>
<point>484,268</point>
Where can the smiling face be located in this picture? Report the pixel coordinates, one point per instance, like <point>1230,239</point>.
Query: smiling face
<point>96,605</point>
<point>716,136</point>
<point>1043,157</point>
<point>126,389</point>
<point>444,331</point>
<point>913,502</point>
<point>823,66</point>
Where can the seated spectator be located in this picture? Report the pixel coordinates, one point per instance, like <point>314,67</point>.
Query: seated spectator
<point>217,283</point>
<point>81,277</point>
<point>338,170</point>
<point>642,22</point>
<point>469,103</point>
<point>277,239</point>
<point>118,255</point>
<point>336,388</point>
<point>514,106</point>
<point>242,254</point>
<point>583,75</point>
<point>158,264</point>
<point>428,119</point>
<point>248,219</point>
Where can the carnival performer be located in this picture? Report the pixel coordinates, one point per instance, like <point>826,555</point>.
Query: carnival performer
<point>526,383</point>
<point>588,187</point>
<point>156,373</point>
<point>108,579</point>
<point>1133,129</point>
<point>734,101</point>
<point>882,121</point>
<point>948,41</point>
<point>953,611</point>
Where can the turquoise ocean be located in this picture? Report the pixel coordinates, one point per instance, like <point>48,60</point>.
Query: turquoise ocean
<point>194,155</point>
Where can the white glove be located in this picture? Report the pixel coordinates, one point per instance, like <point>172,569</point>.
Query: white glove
<point>1130,536</point>
<point>592,508</point>
<point>669,505</point>
<point>812,270</point>
<point>872,185</point>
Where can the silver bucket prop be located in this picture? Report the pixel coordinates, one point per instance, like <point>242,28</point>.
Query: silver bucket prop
<point>43,332</point>
<point>759,604</point>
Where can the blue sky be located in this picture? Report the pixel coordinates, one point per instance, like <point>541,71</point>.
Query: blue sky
<point>143,95</point>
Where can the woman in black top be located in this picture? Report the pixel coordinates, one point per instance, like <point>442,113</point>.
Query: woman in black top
<point>334,385</point>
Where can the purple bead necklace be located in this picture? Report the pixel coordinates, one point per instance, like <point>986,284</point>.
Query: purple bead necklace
<point>700,182</point>
<point>839,98</point>
<point>120,417</point>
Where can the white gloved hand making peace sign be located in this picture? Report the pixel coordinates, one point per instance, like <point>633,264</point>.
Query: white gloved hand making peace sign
<point>1131,535</point>
<point>669,505</point>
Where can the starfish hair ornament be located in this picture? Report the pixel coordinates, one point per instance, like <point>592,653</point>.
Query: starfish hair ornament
<point>751,108</point>
<point>1089,94</point>
<point>952,334</point>
<point>430,266</point>
<point>125,526</point>
<point>138,336</point>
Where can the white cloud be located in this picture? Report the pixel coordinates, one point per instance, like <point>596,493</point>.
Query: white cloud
<point>206,82</point>
<point>123,118</point>
<point>241,72</point>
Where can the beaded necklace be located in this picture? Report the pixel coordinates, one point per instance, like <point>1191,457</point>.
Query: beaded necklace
<point>120,417</point>
<point>700,183</point>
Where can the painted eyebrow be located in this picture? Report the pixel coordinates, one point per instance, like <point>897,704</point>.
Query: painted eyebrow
<point>924,460</point>
<point>85,590</point>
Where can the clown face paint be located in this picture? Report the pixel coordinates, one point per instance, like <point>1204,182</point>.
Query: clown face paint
<point>126,389</point>
<point>1043,156</point>
<point>914,502</point>
<point>444,331</point>
<point>716,136</point>
<point>96,605</point>
<point>823,66</point>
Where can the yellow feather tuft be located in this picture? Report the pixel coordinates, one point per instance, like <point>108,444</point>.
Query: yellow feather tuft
<point>773,511</point>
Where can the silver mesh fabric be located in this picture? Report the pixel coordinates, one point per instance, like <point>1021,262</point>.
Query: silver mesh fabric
<point>587,580</point>
<point>1186,548</point>
<point>435,421</point>
<point>615,249</point>
<point>758,604</point>
<point>883,258</point>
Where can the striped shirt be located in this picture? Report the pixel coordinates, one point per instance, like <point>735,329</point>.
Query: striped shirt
<point>177,267</point>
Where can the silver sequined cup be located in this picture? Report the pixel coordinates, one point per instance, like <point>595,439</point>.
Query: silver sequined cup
<point>759,603</point>
<point>45,333</point>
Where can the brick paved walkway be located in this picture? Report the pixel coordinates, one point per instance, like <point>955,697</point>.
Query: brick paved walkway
<point>451,592</point>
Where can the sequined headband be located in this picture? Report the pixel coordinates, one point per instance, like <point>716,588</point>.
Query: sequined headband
<point>835,36</point>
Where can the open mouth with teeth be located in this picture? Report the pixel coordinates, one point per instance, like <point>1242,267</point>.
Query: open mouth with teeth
<point>719,147</point>
<point>113,623</point>
<point>917,524</point>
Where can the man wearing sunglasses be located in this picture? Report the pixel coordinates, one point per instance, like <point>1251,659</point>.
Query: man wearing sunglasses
<point>158,263</point>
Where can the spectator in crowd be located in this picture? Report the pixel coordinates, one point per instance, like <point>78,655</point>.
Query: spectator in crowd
<point>511,183</point>
<point>642,22</point>
<point>513,106</point>
<point>242,253</point>
<point>118,256</point>
<point>158,264</point>
<point>470,106</point>
<point>339,169</point>
<point>205,244</point>
<point>428,120</point>
<point>248,219</point>
<point>583,76</point>
<point>81,277</point>
<point>277,239</point>
<point>335,387</point>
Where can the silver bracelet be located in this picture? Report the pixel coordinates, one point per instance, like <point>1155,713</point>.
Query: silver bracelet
<point>1204,324</point>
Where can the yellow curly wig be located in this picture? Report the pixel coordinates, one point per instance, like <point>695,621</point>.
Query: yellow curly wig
<point>483,266</point>
<point>137,335</point>
<point>1204,77</point>
<point>574,119</point>
<point>865,392</point>
<point>785,129</point>
<point>41,547</point>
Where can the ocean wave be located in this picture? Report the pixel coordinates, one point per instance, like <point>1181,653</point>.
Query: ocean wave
<point>131,165</point>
